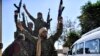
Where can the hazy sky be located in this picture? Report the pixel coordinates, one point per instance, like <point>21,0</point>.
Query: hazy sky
<point>0,20</point>
<point>72,10</point>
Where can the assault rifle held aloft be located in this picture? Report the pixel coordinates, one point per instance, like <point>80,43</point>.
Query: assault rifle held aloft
<point>61,8</point>
<point>48,19</point>
<point>18,7</point>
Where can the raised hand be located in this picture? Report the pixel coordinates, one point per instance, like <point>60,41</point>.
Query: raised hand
<point>16,12</point>
<point>60,19</point>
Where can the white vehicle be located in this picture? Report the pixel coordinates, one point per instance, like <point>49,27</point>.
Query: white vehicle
<point>87,45</point>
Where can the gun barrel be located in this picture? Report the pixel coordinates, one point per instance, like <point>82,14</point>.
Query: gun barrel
<point>48,16</point>
<point>61,2</point>
<point>61,8</point>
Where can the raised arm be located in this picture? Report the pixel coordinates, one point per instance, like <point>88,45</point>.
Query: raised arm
<point>59,30</point>
<point>24,19</point>
<point>16,18</point>
<point>26,33</point>
<point>29,15</point>
<point>24,23</point>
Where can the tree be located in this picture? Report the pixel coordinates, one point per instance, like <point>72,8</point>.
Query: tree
<point>90,16</point>
<point>71,38</point>
<point>71,33</point>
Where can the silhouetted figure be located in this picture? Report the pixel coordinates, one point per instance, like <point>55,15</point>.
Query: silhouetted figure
<point>17,48</point>
<point>29,45</point>
<point>38,23</point>
<point>16,21</point>
<point>44,45</point>
<point>30,25</point>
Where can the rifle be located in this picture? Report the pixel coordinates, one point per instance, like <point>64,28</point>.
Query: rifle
<point>24,22</point>
<point>23,15</point>
<point>18,7</point>
<point>61,8</point>
<point>48,19</point>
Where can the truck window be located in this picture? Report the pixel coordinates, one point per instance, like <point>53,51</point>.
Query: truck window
<point>92,47</point>
<point>80,48</point>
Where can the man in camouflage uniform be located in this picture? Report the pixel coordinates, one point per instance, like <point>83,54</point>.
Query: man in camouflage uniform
<point>44,46</point>
<point>38,23</point>
<point>29,26</point>
<point>29,45</point>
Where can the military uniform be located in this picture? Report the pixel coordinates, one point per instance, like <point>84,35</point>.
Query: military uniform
<point>47,45</point>
<point>29,46</point>
<point>38,23</point>
<point>17,48</point>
